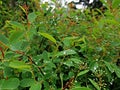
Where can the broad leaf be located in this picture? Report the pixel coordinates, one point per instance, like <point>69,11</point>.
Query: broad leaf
<point>19,65</point>
<point>9,84</point>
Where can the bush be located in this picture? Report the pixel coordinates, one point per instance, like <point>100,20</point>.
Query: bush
<point>54,51</point>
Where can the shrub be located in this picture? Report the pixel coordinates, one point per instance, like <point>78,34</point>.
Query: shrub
<point>53,51</point>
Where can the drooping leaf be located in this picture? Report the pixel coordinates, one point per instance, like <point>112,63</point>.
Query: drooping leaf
<point>80,88</point>
<point>9,84</point>
<point>48,36</point>
<point>19,65</point>
<point>31,17</point>
<point>94,84</point>
<point>83,72</point>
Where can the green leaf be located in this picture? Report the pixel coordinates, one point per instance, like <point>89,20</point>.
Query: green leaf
<point>4,39</point>
<point>17,25</point>
<point>9,84</point>
<point>117,70</point>
<point>15,36</point>
<point>68,41</point>
<point>20,65</point>
<point>8,72</point>
<point>115,3</point>
<point>69,63</point>
<point>36,86</point>
<point>76,60</point>
<point>95,84</point>
<point>27,82</point>
<point>93,66</point>
<point>31,17</point>
<point>48,36</point>
<point>109,66</point>
<point>80,88</point>
<point>83,72</point>
<point>66,52</point>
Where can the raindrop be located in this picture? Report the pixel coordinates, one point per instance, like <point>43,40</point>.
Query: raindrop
<point>44,73</point>
<point>95,68</point>
<point>64,52</point>
<point>36,62</point>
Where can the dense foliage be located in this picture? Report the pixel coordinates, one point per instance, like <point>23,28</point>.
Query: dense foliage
<point>60,50</point>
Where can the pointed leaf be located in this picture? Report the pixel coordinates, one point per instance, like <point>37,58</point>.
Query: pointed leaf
<point>117,70</point>
<point>95,84</point>
<point>109,66</point>
<point>81,88</point>
<point>48,36</point>
<point>66,52</point>
<point>20,65</point>
<point>83,72</point>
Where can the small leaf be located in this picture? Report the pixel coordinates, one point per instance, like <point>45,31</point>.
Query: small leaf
<point>20,65</point>
<point>66,52</point>
<point>83,72</point>
<point>31,17</point>
<point>48,36</point>
<point>36,86</point>
<point>95,84</point>
<point>9,84</point>
<point>80,88</point>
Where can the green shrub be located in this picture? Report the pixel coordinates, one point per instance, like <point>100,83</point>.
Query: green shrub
<point>54,51</point>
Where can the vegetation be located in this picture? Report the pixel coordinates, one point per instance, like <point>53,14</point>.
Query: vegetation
<point>60,50</point>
